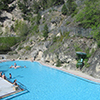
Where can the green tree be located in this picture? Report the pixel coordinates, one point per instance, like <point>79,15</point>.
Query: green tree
<point>36,7</point>
<point>64,10</point>
<point>89,15</point>
<point>7,42</point>
<point>45,32</point>
<point>44,4</point>
<point>71,6</point>
<point>96,35</point>
<point>4,4</point>
<point>57,2</point>
<point>50,3</point>
<point>25,8</point>
<point>21,28</point>
<point>38,19</point>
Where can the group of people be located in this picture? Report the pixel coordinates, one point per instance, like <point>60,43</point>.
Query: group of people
<point>10,76</point>
<point>4,77</point>
<point>15,66</point>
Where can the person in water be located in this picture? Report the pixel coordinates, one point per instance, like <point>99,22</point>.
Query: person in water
<point>15,82</point>
<point>24,66</point>
<point>15,66</point>
<point>10,76</point>
<point>11,66</point>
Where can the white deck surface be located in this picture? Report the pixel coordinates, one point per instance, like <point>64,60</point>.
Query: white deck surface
<point>5,87</point>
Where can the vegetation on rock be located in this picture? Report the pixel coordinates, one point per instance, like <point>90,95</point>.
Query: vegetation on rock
<point>88,17</point>
<point>43,18</point>
<point>7,42</point>
<point>69,7</point>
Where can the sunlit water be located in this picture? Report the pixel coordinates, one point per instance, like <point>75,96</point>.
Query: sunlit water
<point>44,83</point>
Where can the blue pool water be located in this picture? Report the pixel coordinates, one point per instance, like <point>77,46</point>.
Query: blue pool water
<point>44,83</point>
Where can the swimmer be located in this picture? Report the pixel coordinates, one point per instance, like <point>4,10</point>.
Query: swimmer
<point>15,64</point>
<point>11,66</point>
<point>15,82</point>
<point>24,66</point>
<point>10,76</point>
<point>17,67</point>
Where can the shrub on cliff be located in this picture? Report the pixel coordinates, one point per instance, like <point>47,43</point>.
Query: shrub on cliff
<point>7,42</point>
<point>69,7</point>
<point>38,19</point>
<point>25,7</point>
<point>45,32</point>
<point>4,4</point>
<point>21,28</point>
<point>64,10</point>
<point>44,4</point>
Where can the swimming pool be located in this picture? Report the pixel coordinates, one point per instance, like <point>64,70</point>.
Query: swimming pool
<point>44,83</point>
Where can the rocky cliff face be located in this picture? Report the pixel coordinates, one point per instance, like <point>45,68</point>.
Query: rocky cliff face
<point>66,53</point>
<point>8,18</point>
<point>51,50</point>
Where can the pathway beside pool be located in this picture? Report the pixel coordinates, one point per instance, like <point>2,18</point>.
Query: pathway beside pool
<point>6,87</point>
<point>74,72</point>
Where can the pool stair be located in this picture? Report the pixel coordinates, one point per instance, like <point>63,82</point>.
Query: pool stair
<point>21,90</point>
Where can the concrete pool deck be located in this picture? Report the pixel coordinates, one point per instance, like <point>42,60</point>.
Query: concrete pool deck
<point>5,87</point>
<point>73,72</point>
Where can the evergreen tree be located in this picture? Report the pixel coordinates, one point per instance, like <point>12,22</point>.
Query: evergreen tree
<point>24,7</point>
<point>45,32</point>
<point>64,10</point>
<point>3,5</point>
<point>38,19</point>
<point>36,7</point>
<point>43,4</point>
<point>71,6</point>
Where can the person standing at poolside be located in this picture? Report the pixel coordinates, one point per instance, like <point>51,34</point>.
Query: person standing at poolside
<point>3,76</point>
